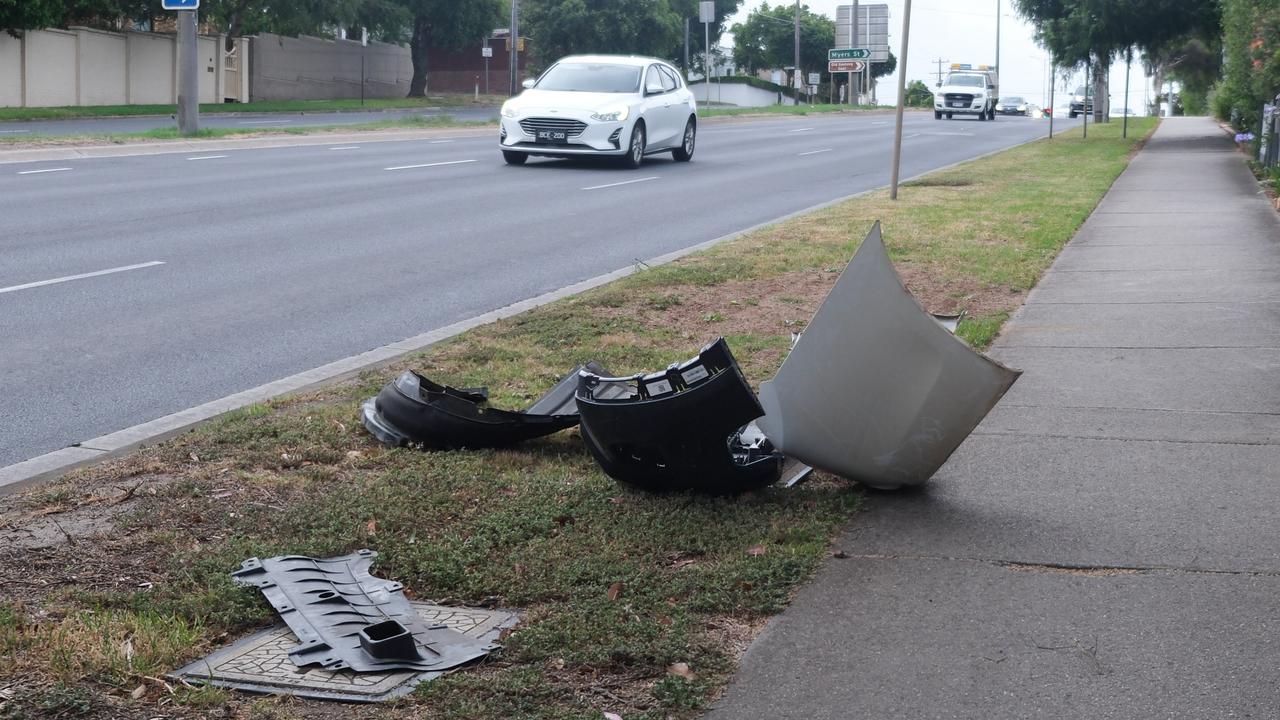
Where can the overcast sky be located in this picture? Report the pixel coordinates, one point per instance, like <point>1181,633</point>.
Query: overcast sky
<point>965,31</point>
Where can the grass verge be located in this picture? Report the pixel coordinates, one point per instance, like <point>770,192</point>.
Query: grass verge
<point>713,111</point>
<point>634,604</point>
<point>404,123</point>
<point>280,106</point>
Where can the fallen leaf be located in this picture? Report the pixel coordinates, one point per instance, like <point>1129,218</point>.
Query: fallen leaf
<point>138,692</point>
<point>682,670</point>
<point>839,554</point>
<point>371,527</point>
<point>126,649</point>
<point>617,500</point>
<point>755,550</point>
<point>614,591</point>
<point>558,663</point>
<point>353,454</point>
<point>683,563</point>
<point>612,716</point>
<point>194,457</point>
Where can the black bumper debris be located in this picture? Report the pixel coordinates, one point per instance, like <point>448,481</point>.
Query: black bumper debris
<point>344,617</point>
<point>680,428</point>
<point>413,409</point>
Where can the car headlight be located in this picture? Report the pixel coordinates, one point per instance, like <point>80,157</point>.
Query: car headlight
<point>1022,107</point>
<point>508,111</point>
<point>612,115</point>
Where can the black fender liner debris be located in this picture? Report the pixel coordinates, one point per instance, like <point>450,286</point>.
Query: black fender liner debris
<point>679,428</point>
<point>344,617</point>
<point>876,390</point>
<point>413,409</point>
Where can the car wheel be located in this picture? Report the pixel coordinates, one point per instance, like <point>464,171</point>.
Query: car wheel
<point>937,114</point>
<point>991,114</point>
<point>982,115</point>
<point>948,116</point>
<point>514,158</point>
<point>1073,116</point>
<point>635,152</point>
<point>684,153</point>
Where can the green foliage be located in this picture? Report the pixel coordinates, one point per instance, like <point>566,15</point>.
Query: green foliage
<point>918,94</point>
<point>1076,31</point>
<point>1251,76</point>
<point>879,70</point>
<point>654,27</point>
<point>18,15</point>
<point>766,40</point>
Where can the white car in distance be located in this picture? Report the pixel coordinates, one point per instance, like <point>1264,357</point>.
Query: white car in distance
<point>610,105</point>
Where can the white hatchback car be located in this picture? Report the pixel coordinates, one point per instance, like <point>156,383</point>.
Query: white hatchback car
<point>622,106</point>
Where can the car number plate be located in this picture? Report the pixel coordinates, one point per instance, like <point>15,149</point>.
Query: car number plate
<point>957,104</point>
<point>553,137</point>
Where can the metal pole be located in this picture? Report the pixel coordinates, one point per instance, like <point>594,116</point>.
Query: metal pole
<point>1128,59</point>
<point>686,48</point>
<point>1084,106</point>
<point>706,59</point>
<point>1052,112</point>
<point>997,36</point>
<point>853,42</point>
<point>796,74</point>
<point>902,96</point>
<point>362,78</point>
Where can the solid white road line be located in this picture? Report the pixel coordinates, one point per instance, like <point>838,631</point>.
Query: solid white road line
<point>813,152</point>
<point>408,167</point>
<point>33,172</point>
<point>439,142</point>
<point>800,129</point>
<point>68,278</point>
<point>347,147</point>
<point>624,182</point>
<point>206,157</point>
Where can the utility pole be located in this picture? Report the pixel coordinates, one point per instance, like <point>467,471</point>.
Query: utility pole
<point>902,97</point>
<point>1085,105</point>
<point>853,42</point>
<point>188,74</point>
<point>997,36</point>
<point>939,62</point>
<point>514,36</point>
<point>796,74</point>
<point>1051,98</point>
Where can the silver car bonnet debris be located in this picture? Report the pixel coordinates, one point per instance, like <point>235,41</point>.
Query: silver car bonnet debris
<point>344,617</point>
<point>876,390</point>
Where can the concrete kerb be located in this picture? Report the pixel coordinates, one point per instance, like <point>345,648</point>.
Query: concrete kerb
<point>53,465</point>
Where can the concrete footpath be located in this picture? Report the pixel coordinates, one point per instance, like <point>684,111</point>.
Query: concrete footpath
<point>1107,545</point>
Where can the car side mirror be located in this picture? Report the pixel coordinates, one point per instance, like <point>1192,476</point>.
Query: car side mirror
<point>529,82</point>
<point>653,89</point>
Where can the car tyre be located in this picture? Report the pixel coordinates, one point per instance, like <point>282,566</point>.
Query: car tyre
<point>514,158</point>
<point>982,116</point>
<point>1073,115</point>
<point>635,150</point>
<point>684,153</point>
<point>948,116</point>
<point>937,114</point>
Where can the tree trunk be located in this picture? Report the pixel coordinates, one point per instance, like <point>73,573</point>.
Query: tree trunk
<point>1101,91</point>
<point>236,26</point>
<point>419,44</point>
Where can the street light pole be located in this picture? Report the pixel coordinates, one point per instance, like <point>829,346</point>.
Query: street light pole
<point>514,47</point>
<point>902,96</point>
<point>997,36</point>
<point>1128,60</point>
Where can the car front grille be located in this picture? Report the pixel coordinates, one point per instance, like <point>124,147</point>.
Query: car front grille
<point>959,97</point>
<point>533,125</point>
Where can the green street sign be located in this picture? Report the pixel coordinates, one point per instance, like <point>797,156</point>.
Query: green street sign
<point>848,54</point>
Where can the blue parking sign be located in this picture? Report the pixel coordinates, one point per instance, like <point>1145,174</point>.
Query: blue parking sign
<point>180,4</point>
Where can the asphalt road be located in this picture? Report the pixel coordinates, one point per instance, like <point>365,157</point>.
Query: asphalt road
<point>117,125</point>
<point>227,270</point>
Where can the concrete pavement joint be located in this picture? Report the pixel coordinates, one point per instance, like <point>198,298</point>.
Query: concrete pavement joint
<point>1069,568</point>
<point>57,463</point>
<point>1110,438</point>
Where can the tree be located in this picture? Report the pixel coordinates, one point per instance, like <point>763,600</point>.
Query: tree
<point>444,24</point>
<point>19,15</point>
<point>879,70</point>
<point>652,27</point>
<point>766,41</point>
<point>1251,72</point>
<point>1090,33</point>
<point>918,94</point>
